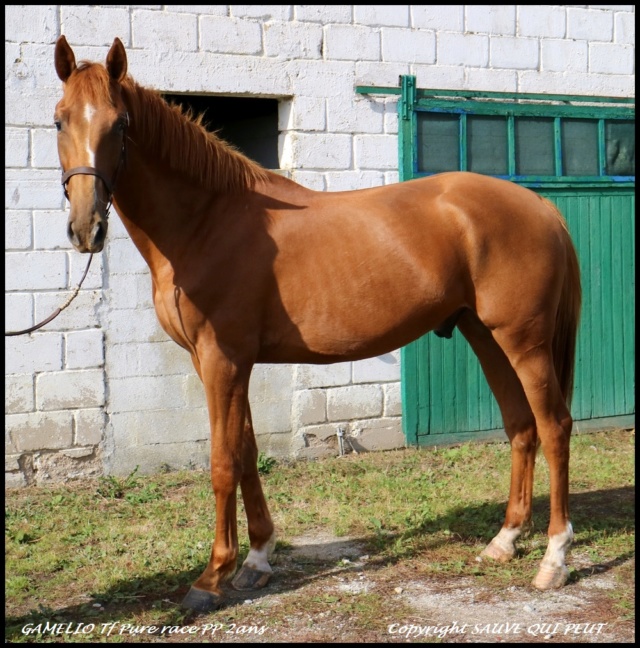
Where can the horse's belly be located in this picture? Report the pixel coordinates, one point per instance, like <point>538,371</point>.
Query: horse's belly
<point>330,330</point>
<point>362,338</point>
<point>360,293</point>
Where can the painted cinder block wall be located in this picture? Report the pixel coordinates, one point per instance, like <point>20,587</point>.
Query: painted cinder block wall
<point>102,388</point>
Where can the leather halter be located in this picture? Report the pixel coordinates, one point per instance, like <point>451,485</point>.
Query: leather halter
<point>87,170</point>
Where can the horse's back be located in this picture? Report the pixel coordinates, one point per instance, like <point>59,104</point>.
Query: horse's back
<point>427,212</point>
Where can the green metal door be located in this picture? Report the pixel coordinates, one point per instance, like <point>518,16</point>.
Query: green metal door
<point>577,154</point>
<point>602,226</point>
<point>444,390</point>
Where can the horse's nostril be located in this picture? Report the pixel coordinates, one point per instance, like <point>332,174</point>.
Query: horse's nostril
<point>70,232</point>
<point>99,234</point>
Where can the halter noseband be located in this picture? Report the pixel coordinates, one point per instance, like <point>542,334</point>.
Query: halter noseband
<point>87,170</point>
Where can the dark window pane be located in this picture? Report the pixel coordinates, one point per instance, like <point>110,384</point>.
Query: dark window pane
<point>620,144</point>
<point>579,147</point>
<point>487,152</point>
<point>438,142</point>
<point>534,146</point>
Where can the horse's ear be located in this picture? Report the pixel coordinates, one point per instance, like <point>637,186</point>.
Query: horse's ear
<point>117,61</point>
<point>65,59</point>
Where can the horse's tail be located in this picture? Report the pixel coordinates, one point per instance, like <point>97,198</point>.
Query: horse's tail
<point>568,315</point>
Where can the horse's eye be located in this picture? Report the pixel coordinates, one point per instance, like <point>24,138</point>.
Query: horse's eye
<point>58,125</point>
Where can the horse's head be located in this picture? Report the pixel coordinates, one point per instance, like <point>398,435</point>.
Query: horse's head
<point>91,120</point>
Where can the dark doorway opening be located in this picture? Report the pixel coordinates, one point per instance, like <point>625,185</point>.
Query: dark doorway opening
<point>249,123</point>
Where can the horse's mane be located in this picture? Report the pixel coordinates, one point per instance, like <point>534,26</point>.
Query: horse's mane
<point>166,132</point>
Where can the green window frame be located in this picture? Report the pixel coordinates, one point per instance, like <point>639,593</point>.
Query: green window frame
<point>536,140</point>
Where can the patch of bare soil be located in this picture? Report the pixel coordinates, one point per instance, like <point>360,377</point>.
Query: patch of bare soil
<point>322,586</point>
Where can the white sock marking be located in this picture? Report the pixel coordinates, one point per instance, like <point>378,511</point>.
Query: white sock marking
<point>506,538</point>
<point>557,548</point>
<point>259,558</point>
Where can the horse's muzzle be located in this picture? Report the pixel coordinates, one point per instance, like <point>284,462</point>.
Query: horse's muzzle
<point>93,242</point>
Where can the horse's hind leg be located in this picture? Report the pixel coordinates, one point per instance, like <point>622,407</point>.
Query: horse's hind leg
<point>255,571</point>
<point>530,354</point>
<point>520,428</point>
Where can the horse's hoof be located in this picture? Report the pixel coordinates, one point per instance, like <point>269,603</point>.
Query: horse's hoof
<point>498,552</point>
<point>250,579</point>
<point>550,578</point>
<point>201,601</point>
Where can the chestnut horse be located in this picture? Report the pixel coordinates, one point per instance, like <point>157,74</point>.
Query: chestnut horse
<point>248,266</point>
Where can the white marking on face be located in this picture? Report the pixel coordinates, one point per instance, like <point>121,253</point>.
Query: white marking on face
<point>557,548</point>
<point>89,112</point>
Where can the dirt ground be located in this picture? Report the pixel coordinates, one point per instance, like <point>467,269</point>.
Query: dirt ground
<point>379,587</point>
<point>443,610</point>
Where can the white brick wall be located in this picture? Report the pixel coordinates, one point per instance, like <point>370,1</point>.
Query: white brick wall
<point>625,28</point>
<point>471,50</point>
<point>589,24</point>
<point>84,349</point>
<point>561,55</point>
<point>38,24</point>
<point>514,53</point>
<point>34,353</point>
<point>607,58</point>
<point>17,230</point>
<point>103,380</point>
<point>69,390</point>
<point>263,12</point>
<point>538,21</point>
<point>164,31</point>
<point>95,25</point>
<point>35,270</point>
<point>438,17</point>
<point>382,15</point>
<point>354,402</point>
<point>324,14</point>
<point>400,45</point>
<point>16,147</point>
<point>351,43</point>
<point>229,35</point>
<point>19,393</point>
<point>50,231</point>
<point>293,40</point>
<point>491,19</point>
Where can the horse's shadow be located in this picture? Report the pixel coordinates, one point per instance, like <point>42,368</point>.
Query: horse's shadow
<point>608,510</point>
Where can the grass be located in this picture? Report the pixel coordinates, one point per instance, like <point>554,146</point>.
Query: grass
<point>128,548</point>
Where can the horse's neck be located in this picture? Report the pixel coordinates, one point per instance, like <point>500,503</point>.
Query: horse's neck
<point>166,213</point>
<point>154,209</point>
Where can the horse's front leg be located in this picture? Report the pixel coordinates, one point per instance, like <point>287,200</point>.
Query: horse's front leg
<point>226,385</point>
<point>255,571</point>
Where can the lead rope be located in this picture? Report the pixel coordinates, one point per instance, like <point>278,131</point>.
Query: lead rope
<point>57,311</point>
